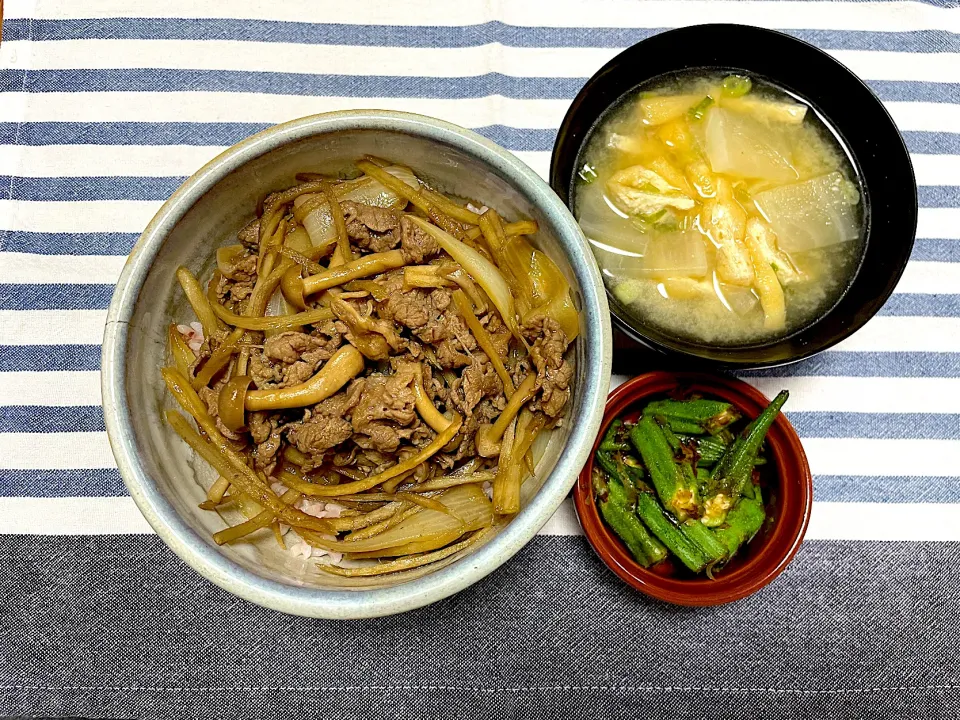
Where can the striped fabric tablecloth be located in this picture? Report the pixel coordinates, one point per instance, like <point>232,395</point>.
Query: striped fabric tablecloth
<point>107,105</point>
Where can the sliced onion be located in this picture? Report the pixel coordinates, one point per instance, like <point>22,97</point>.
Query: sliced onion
<point>373,193</point>
<point>426,543</point>
<point>319,222</point>
<point>479,268</point>
<point>278,306</point>
<point>288,299</point>
<point>298,239</point>
<point>404,563</point>
<point>468,509</point>
<point>183,355</point>
<point>545,291</point>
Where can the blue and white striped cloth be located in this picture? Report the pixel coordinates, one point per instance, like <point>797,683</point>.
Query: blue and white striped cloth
<point>107,105</point>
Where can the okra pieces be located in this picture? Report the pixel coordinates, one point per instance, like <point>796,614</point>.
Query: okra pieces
<point>735,468</point>
<point>665,528</point>
<point>694,416</point>
<point>617,509</point>
<point>681,482</point>
<point>673,486</point>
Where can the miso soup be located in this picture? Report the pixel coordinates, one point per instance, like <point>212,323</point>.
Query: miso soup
<point>721,210</point>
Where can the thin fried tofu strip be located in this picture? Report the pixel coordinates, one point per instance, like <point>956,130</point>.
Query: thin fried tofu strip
<point>765,241</point>
<point>767,286</point>
<point>724,221</point>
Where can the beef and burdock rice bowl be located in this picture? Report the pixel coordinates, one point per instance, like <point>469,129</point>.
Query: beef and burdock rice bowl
<point>370,367</point>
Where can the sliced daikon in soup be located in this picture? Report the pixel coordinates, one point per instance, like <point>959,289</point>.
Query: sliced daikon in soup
<point>676,254</point>
<point>813,214</point>
<point>740,145</point>
<point>601,222</point>
<point>738,299</point>
<point>765,109</point>
<point>616,263</point>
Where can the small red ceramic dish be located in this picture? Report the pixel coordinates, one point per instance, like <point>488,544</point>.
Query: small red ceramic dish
<point>789,496</point>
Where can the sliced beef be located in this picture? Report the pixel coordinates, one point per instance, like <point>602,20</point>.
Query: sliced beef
<point>250,234</point>
<point>372,228</point>
<point>429,314</point>
<point>260,426</point>
<point>326,424</point>
<point>447,332</point>
<point>450,351</point>
<point>291,358</point>
<point>411,309</point>
<point>521,368</point>
<point>233,292</point>
<point>265,432</point>
<point>376,219</point>
<point>553,372</point>
<point>434,386</point>
<point>416,244</point>
<point>287,347</point>
<point>328,334</point>
<point>441,298</point>
<point>477,381</point>
<point>242,268</point>
<point>499,333</point>
<point>385,414</point>
<point>315,438</point>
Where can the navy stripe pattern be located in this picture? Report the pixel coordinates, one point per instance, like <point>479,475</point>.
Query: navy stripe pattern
<point>225,134</point>
<point>160,188</point>
<point>924,41</point>
<point>106,482</point>
<point>175,645</point>
<point>285,83</point>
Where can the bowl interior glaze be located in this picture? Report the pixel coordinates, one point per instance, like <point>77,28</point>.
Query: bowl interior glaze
<point>168,481</point>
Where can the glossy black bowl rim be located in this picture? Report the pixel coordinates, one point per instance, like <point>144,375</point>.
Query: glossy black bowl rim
<point>833,91</point>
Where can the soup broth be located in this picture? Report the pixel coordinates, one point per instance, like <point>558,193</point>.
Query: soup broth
<point>721,210</point>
